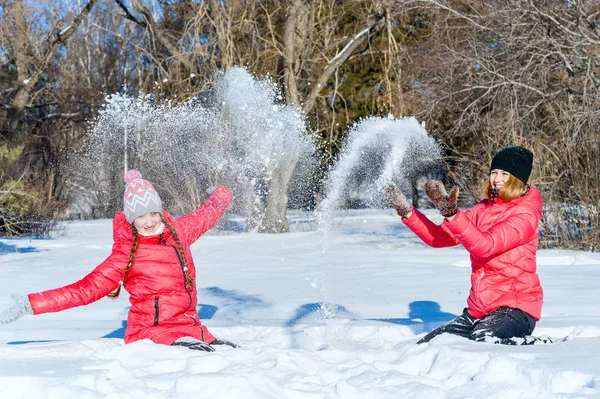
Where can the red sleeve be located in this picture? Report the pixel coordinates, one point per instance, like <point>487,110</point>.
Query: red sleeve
<point>517,229</point>
<point>97,284</point>
<point>429,232</point>
<point>207,215</point>
<point>437,236</point>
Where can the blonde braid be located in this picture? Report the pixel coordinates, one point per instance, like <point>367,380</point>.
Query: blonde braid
<point>189,281</point>
<point>117,291</point>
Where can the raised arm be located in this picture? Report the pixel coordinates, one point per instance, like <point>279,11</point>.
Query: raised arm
<point>429,232</point>
<point>206,215</point>
<point>97,284</point>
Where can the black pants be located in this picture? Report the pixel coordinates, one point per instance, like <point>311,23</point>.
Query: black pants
<point>498,326</point>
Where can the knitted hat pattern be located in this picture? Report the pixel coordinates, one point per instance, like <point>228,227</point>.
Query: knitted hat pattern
<point>518,161</point>
<point>140,196</point>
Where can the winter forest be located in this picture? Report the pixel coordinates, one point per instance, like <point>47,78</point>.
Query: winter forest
<point>308,111</point>
<point>90,88</point>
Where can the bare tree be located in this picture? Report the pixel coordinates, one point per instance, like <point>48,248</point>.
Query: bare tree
<point>32,63</point>
<point>305,61</point>
<point>218,35</point>
<point>518,73</point>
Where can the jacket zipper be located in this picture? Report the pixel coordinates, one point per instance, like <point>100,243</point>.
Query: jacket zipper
<point>156,311</point>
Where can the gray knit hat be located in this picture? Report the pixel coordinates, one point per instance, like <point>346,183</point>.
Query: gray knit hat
<point>140,197</point>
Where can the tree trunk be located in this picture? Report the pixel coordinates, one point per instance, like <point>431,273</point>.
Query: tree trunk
<point>294,34</point>
<point>295,31</point>
<point>294,38</point>
<point>415,193</point>
<point>275,219</point>
<point>22,61</point>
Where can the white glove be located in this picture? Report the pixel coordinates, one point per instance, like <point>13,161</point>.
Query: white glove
<point>20,308</point>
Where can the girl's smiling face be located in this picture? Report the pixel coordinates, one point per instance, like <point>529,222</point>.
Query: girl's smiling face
<point>148,223</point>
<point>498,178</point>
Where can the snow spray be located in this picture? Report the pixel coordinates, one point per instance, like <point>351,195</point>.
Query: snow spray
<point>236,134</point>
<point>378,152</point>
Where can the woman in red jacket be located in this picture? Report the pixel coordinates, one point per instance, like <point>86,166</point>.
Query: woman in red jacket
<point>151,259</point>
<point>501,235</point>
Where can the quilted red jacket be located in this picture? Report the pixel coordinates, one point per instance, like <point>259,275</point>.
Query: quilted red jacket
<point>502,239</point>
<point>161,308</point>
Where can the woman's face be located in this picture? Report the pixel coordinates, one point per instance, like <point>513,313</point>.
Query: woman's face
<point>498,178</point>
<point>148,223</point>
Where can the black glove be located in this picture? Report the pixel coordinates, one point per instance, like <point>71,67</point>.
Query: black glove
<point>194,344</point>
<point>447,204</point>
<point>219,341</point>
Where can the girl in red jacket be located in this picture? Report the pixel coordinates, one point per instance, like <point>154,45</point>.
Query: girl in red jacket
<point>501,235</point>
<point>151,259</point>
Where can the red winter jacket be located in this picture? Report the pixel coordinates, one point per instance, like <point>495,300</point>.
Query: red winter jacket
<point>502,239</point>
<point>161,309</point>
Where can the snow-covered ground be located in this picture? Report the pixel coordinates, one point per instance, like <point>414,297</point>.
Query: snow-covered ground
<point>263,292</point>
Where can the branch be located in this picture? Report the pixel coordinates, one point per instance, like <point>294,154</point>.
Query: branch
<point>507,83</point>
<point>564,28</point>
<point>341,57</point>
<point>149,24</point>
<point>441,6</point>
<point>23,93</point>
<point>61,115</point>
<point>130,16</point>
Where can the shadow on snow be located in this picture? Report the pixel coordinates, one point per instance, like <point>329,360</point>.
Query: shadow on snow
<point>319,310</point>
<point>423,316</point>
<point>6,248</point>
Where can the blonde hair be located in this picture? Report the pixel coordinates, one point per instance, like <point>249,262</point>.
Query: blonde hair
<point>189,281</point>
<point>512,189</point>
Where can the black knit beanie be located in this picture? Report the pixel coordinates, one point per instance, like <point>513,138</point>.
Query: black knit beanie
<point>517,161</point>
